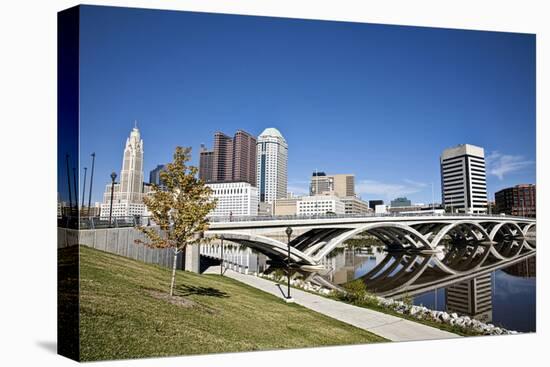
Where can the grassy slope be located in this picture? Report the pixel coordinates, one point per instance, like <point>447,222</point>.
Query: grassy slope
<point>120,319</point>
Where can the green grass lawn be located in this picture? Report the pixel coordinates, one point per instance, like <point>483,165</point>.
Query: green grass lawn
<point>120,317</point>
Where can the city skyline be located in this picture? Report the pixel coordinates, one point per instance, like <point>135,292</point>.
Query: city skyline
<point>343,107</point>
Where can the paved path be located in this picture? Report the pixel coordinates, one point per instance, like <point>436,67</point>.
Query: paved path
<point>387,326</point>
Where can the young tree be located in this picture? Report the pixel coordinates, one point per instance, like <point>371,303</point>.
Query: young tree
<point>179,207</point>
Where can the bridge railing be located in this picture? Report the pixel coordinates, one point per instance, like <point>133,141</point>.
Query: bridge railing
<point>225,219</point>
<point>99,222</point>
<point>133,221</point>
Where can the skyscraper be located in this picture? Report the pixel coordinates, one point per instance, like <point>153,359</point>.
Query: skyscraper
<point>272,169</point>
<point>222,158</point>
<point>128,194</point>
<point>231,160</point>
<point>463,182</point>
<point>206,164</point>
<point>154,175</point>
<point>244,158</point>
<point>131,175</point>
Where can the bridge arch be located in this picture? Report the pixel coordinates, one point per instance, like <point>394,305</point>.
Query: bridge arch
<point>528,228</point>
<point>391,230</point>
<point>268,246</point>
<point>509,227</point>
<point>461,226</point>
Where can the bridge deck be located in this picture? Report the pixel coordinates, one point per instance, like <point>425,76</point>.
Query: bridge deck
<point>294,221</point>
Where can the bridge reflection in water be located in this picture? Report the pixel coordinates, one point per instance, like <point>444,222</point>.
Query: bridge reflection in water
<point>402,273</point>
<point>461,278</point>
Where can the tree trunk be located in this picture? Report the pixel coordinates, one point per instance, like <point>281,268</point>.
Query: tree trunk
<point>173,282</point>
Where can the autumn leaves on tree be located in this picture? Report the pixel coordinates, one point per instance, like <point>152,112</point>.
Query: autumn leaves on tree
<point>179,207</point>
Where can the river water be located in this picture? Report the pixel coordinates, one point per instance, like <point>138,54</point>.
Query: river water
<point>504,296</point>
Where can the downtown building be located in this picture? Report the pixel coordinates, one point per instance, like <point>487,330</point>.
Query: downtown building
<point>341,185</point>
<point>374,203</point>
<point>463,180</point>
<point>128,193</point>
<point>353,205</point>
<point>234,199</point>
<point>400,202</point>
<point>320,205</point>
<point>271,167</point>
<point>154,175</point>
<point>206,164</point>
<point>233,159</point>
<point>520,200</point>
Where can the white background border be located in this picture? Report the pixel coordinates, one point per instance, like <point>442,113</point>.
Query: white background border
<point>28,153</point>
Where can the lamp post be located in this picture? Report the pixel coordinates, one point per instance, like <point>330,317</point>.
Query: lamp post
<point>221,255</point>
<point>288,232</point>
<point>433,199</point>
<point>75,191</point>
<point>84,189</point>
<point>113,177</point>
<point>69,182</point>
<point>91,183</point>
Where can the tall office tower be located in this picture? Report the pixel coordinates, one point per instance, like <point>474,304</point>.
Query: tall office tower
<point>154,175</point>
<point>206,164</point>
<point>233,159</point>
<point>223,157</point>
<point>128,194</point>
<point>472,298</point>
<point>463,182</point>
<point>341,185</point>
<point>131,175</point>
<point>272,168</point>
<point>244,158</point>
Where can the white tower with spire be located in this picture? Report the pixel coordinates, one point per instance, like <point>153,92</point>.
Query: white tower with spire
<point>128,193</point>
<point>131,175</point>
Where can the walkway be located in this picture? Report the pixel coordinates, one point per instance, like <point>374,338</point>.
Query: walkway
<point>384,325</point>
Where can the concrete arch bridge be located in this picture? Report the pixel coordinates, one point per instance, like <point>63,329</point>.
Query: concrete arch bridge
<point>314,238</point>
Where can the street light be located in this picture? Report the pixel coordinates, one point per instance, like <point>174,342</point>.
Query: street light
<point>91,183</point>
<point>288,232</point>
<point>84,190</point>
<point>433,199</point>
<point>113,177</point>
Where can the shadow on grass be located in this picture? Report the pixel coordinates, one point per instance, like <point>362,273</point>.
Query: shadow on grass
<point>187,290</point>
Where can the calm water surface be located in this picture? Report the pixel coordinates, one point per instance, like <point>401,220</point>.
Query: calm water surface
<point>505,297</point>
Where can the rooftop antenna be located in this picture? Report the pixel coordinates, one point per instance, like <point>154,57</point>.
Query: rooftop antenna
<point>135,124</point>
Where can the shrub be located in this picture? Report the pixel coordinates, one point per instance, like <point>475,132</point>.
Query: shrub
<point>356,291</point>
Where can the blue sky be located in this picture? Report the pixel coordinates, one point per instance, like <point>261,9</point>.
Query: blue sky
<point>378,101</point>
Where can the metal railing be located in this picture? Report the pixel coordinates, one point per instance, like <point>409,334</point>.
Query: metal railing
<point>134,221</point>
<point>97,222</point>
<point>225,219</point>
